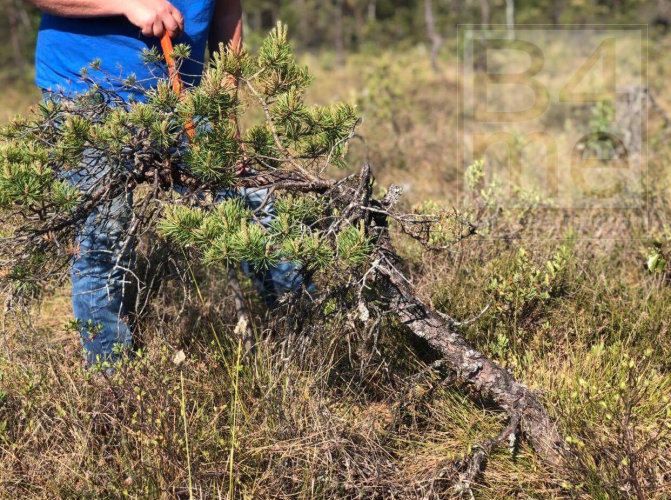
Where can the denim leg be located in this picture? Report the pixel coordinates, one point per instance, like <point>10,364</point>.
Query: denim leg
<point>285,276</point>
<point>97,272</point>
<point>98,281</point>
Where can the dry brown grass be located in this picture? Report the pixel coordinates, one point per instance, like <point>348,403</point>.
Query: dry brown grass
<point>325,416</point>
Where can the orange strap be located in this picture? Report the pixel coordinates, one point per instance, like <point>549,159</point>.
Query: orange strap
<point>166,45</point>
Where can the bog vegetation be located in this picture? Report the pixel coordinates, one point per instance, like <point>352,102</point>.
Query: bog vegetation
<point>347,393</point>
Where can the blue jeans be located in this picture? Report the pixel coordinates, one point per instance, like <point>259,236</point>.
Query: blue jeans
<point>100,269</point>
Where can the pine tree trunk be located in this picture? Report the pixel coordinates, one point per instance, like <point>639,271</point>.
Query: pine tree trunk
<point>358,21</point>
<point>372,11</point>
<point>434,37</point>
<point>14,36</point>
<point>663,16</point>
<point>255,19</point>
<point>275,13</point>
<point>339,32</point>
<point>556,11</point>
<point>484,13</point>
<point>510,18</point>
<point>458,6</point>
<point>303,22</point>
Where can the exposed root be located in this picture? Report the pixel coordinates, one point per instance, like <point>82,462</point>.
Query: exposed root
<point>476,370</point>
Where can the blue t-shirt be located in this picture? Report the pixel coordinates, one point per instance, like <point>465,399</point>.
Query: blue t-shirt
<point>65,45</point>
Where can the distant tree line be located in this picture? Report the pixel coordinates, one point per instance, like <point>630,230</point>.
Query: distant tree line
<point>358,24</point>
<point>352,25</point>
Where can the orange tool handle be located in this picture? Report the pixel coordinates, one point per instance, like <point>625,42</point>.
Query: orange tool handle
<point>166,45</point>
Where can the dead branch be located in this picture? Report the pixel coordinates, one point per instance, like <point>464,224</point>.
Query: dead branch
<point>477,371</point>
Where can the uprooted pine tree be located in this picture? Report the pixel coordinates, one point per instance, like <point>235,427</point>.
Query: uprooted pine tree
<point>331,228</point>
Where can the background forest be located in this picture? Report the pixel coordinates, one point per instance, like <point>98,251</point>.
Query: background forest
<point>579,313</point>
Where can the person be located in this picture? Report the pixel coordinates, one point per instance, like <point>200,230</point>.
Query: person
<point>72,34</point>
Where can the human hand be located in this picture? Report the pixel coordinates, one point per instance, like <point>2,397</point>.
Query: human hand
<point>154,17</point>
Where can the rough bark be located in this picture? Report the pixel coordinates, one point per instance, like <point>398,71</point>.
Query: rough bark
<point>476,370</point>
